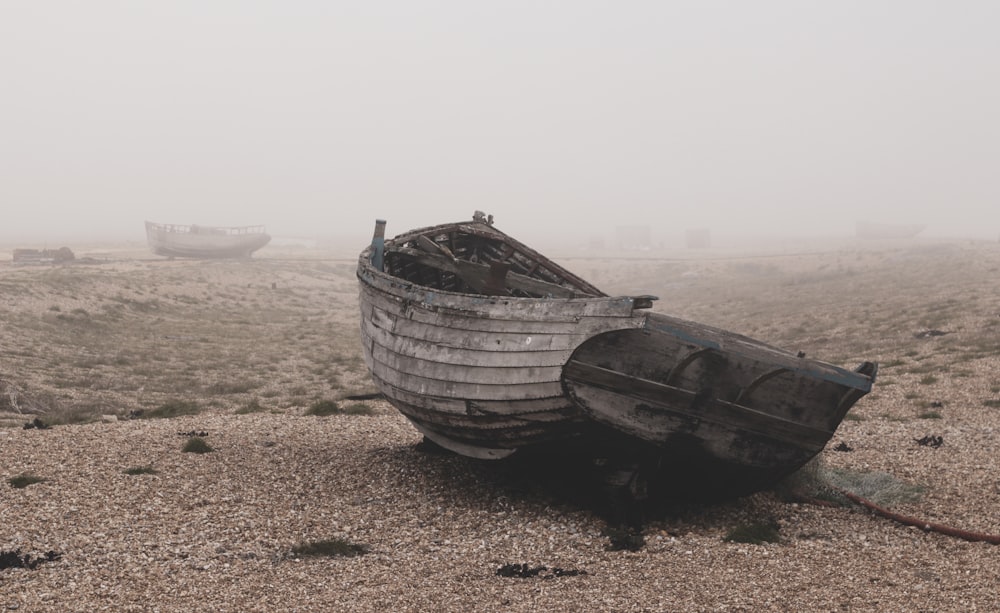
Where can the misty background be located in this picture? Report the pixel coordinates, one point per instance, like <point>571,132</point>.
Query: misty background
<point>569,118</point>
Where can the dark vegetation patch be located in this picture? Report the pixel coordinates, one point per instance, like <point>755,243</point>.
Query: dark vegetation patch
<point>196,444</point>
<point>36,424</point>
<point>15,559</point>
<point>358,409</point>
<point>254,406</point>
<point>173,408</point>
<point>756,533</point>
<point>324,408</point>
<point>335,547</point>
<point>930,441</point>
<point>231,387</point>
<point>79,413</point>
<point>24,480</point>
<point>141,470</point>
<point>526,571</point>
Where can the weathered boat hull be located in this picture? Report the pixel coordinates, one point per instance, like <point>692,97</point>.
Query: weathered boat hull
<point>480,375</point>
<point>730,411</point>
<point>489,348</point>
<point>172,240</point>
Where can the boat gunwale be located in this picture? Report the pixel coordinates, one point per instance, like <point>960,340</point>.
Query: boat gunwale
<point>535,310</point>
<point>483,231</point>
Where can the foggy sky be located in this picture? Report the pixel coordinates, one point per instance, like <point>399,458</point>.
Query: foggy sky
<point>316,117</point>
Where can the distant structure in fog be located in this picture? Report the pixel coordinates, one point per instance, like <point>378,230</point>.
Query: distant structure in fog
<point>43,256</point>
<point>698,238</point>
<point>633,237</point>
<point>874,230</point>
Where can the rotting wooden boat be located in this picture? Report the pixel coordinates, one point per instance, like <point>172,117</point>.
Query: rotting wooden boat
<point>193,241</point>
<point>488,348</point>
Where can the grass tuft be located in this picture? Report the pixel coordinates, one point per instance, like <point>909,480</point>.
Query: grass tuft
<point>196,444</point>
<point>24,480</point>
<point>322,408</point>
<point>358,408</point>
<point>222,388</point>
<point>756,533</point>
<point>174,408</point>
<point>254,406</point>
<point>141,470</point>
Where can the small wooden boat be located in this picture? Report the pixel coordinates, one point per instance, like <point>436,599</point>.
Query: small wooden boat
<point>194,241</point>
<point>488,348</point>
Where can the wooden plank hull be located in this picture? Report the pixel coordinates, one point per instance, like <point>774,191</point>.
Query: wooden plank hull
<point>488,348</point>
<point>480,377</point>
<point>730,411</point>
<point>204,242</point>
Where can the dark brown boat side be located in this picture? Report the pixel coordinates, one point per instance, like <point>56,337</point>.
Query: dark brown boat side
<point>737,414</point>
<point>488,348</point>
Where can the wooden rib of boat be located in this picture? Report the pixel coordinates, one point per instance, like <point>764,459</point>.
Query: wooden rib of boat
<point>488,347</point>
<point>193,241</point>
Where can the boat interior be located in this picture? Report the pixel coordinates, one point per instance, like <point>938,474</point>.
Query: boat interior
<point>475,258</point>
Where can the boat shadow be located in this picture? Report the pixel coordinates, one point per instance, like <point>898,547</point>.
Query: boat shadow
<point>565,479</point>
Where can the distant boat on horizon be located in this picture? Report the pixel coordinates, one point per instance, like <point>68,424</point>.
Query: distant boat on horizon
<point>211,242</point>
<point>875,230</point>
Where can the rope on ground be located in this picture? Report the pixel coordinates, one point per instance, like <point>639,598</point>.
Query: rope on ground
<point>923,525</point>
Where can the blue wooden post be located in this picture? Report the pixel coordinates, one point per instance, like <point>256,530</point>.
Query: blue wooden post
<point>378,245</point>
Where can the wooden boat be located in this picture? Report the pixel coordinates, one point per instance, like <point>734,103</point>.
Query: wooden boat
<point>194,241</point>
<point>488,348</point>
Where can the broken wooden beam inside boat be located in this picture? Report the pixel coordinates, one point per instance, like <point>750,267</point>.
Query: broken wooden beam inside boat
<point>478,275</point>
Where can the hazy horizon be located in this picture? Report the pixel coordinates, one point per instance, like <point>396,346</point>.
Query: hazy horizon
<point>315,118</point>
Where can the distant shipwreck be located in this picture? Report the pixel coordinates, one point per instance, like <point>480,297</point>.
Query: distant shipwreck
<point>490,349</point>
<point>195,241</point>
